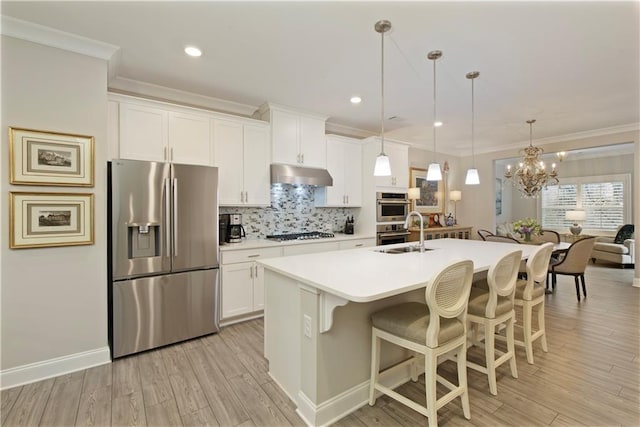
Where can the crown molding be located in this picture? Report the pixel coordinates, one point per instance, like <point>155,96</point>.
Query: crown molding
<point>594,133</point>
<point>338,129</point>
<point>162,93</point>
<point>47,36</point>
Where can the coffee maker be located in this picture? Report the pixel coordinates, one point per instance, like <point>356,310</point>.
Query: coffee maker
<point>234,230</point>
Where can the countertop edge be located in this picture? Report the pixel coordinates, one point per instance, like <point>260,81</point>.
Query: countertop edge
<point>264,243</point>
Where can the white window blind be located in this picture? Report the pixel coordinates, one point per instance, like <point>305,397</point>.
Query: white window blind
<point>605,199</point>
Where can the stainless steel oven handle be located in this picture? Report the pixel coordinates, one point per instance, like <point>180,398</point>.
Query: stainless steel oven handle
<point>393,202</point>
<point>394,234</point>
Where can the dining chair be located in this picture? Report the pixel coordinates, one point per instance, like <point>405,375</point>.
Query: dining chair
<point>430,329</point>
<point>548,236</point>
<point>484,233</point>
<point>492,306</point>
<point>574,263</point>
<point>530,295</point>
<point>502,239</point>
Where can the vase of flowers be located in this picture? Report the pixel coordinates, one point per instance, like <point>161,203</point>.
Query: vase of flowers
<point>526,228</point>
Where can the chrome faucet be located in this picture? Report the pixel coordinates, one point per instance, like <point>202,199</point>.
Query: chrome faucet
<point>406,225</point>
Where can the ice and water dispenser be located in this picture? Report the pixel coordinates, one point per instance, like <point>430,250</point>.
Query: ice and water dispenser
<point>143,240</point>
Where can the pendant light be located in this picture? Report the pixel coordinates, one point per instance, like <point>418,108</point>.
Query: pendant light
<point>383,167</point>
<point>472,174</point>
<point>433,172</point>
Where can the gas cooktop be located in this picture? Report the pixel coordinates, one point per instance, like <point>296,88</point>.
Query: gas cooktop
<point>300,236</point>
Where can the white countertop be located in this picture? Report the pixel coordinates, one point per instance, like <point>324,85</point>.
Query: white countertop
<point>364,275</point>
<point>264,243</point>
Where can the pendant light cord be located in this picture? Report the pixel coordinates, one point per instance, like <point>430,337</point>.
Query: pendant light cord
<point>473,115</point>
<point>382,97</point>
<point>434,110</point>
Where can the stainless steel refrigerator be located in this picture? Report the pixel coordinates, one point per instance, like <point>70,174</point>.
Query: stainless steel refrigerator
<point>163,254</point>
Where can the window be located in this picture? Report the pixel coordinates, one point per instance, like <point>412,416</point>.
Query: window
<point>605,199</point>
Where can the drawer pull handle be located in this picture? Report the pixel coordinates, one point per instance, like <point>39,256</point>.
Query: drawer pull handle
<point>359,244</point>
<point>253,256</point>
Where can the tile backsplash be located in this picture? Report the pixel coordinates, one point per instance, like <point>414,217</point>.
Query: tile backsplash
<point>292,210</point>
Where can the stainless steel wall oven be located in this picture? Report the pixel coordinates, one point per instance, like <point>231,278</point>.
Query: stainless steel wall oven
<point>391,207</point>
<point>389,234</point>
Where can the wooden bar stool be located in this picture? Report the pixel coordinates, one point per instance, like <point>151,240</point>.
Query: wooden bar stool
<point>491,305</point>
<point>431,329</point>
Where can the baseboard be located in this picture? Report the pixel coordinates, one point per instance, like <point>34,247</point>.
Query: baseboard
<point>38,371</point>
<point>636,282</point>
<point>330,411</point>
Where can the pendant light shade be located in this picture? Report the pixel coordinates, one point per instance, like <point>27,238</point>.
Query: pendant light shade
<point>472,174</point>
<point>434,172</point>
<point>383,166</point>
<point>472,177</point>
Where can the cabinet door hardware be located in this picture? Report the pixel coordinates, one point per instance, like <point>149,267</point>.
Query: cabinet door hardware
<point>256,267</point>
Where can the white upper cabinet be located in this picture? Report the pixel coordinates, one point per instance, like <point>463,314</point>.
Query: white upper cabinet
<point>297,138</point>
<point>143,132</point>
<point>344,163</point>
<point>190,139</point>
<point>241,153</point>
<point>155,131</point>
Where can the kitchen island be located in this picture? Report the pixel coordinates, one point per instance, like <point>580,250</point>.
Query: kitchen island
<point>317,316</point>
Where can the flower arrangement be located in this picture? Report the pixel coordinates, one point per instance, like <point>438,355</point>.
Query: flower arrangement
<point>526,227</point>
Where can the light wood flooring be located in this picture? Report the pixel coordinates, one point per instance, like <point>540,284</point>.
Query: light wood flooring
<point>589,377</point>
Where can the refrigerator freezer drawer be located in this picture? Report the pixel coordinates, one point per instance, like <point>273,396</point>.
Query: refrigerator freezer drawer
<point>156,311</point>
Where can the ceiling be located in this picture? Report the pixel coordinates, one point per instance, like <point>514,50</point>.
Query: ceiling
<point>572,66</point>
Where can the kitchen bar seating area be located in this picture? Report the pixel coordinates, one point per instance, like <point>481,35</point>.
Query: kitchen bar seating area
<point>589,377</point>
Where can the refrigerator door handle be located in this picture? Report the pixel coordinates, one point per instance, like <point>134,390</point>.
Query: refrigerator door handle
<point>175,217</point>
<point>167,217</point>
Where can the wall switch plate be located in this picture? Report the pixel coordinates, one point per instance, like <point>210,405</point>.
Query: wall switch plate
<point>307,326</point>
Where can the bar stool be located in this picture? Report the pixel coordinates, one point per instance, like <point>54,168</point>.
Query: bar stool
<point>431,329</point>
<point>530,294</point>
<point>491,305</point>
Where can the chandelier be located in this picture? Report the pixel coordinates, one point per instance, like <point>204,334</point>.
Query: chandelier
<point>530,177</point>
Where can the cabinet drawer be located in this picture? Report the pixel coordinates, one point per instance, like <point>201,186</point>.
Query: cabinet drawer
<point>230,257</point>
<point>311,248</point>
<point>359,243</point>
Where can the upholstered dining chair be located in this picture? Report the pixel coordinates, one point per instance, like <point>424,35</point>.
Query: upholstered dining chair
<point>548,236</point>
<point>431,329</point>
<point>491,306</point>
<point>530,296</point>
<point>501,239</point>
<point>484,233</point>
<point>573,263</point>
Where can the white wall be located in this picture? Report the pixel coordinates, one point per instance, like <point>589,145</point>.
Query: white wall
<point>54,300</point>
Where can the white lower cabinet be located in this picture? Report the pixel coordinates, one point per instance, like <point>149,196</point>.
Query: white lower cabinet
<point>242,290</point>
<point>358,243</point>
<point>242,278</point>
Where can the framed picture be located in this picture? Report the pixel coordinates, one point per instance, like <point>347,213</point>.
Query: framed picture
<point>431,192</point>
<point>40,220</point>
<point>50,158</point>
<point>498,196</point>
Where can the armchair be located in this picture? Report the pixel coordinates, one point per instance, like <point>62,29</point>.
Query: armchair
<point>618,250</point>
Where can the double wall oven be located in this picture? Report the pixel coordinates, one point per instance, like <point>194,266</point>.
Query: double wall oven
<point>391,211</point>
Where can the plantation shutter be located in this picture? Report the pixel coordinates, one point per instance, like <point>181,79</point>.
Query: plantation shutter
<point>556,200</point>
<point>604,204</point>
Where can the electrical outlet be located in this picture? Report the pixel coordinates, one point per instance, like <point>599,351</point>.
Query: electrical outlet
<point>307,326</point>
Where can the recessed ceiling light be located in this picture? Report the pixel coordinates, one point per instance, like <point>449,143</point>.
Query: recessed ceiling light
<point>356,100</point>
<point>437,124</point>
<point>192,51</point>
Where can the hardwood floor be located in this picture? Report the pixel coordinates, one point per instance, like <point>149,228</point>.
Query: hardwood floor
<point>589,377</point>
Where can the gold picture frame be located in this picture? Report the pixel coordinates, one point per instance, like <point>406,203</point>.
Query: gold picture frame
<point>40,220</point>
<point>50,158</point>
<point>431,192</point>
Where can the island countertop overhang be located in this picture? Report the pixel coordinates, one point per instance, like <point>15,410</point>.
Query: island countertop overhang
<point>365,275</point>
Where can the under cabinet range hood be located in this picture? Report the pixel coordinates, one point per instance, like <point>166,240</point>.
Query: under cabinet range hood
<point>288,174</point>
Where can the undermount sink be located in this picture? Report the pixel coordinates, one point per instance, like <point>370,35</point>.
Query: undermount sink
<point>402,250</point>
